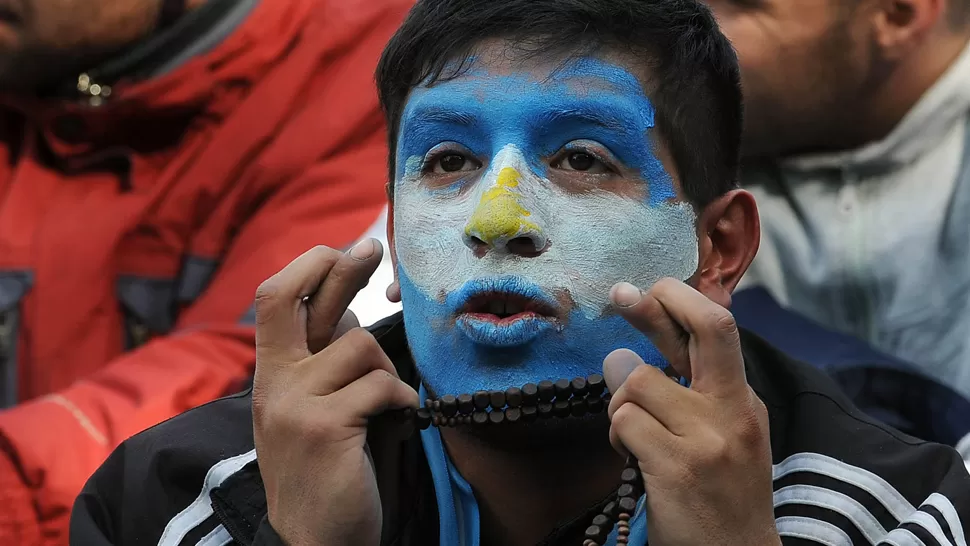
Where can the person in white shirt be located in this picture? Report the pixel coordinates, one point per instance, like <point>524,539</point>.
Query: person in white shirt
<point>857,149</point>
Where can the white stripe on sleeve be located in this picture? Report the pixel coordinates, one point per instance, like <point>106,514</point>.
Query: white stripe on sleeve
<point>901,537</point>
<point>929,523</point>
<point>949,513</point>
<point>835,501</point>
<point>201,507</point>
<point>865,480</point>
<point>815,530</point>
<point>217,537</point>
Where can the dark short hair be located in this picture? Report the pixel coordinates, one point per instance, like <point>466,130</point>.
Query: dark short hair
<point>695,84</point>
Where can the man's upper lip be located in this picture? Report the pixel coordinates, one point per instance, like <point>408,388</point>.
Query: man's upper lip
<point>505,304</point>
<point>514,294</point>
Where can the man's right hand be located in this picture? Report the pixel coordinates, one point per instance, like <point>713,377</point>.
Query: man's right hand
<point>313,395</point>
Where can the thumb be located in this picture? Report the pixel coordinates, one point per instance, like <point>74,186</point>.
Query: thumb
<point>618,365</point>
<point>347,323</point>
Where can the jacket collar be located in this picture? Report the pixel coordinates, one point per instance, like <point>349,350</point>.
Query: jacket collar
<point>192,34</point>
<point>224,43</point>
<point>190,90</point>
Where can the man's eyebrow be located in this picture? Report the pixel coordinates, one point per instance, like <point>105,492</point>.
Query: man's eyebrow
<point>593,116</point>
<point>443,115</point>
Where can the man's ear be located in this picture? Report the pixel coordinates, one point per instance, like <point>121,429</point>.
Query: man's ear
<point>728,235</point>
<point>394,289</point>
<point>901,25</point>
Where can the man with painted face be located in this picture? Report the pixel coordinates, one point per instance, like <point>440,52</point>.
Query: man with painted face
<point>564,205</point>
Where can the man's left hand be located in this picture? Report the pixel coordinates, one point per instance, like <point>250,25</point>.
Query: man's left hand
<point>704,451</point>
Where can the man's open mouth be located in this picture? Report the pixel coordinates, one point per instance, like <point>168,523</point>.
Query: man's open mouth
<point>505,308</point>
<point>504,312</point>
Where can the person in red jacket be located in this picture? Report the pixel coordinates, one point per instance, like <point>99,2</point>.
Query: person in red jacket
<point>158,160</point>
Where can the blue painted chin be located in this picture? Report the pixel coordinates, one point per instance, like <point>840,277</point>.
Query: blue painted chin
<point>462,355</point>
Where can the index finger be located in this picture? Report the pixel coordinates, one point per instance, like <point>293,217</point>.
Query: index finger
<point>280,309</point>
<point>645,313</point>
<point>327,307</point>
<point>716,363</point>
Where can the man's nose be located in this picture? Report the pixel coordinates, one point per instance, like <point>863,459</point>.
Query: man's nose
<point>501,222</point>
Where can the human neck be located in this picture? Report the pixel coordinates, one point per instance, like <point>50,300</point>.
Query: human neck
<point>523,493</point>
<point>907,83</point>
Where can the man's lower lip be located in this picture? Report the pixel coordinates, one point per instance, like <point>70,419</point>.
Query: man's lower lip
<point>517,329</point>
<point>503,321</point>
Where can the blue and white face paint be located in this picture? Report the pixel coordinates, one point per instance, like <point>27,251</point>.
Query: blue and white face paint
<point>508,242</point>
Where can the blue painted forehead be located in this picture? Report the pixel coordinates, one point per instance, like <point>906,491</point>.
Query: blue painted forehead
<point>583,79</point>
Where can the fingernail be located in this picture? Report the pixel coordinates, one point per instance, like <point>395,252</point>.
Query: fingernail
<point>363,250</point>
<point>625,294</point>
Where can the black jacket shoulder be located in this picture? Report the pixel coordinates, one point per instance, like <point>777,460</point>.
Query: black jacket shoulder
<point>164,472</point>
<point>846,476</point>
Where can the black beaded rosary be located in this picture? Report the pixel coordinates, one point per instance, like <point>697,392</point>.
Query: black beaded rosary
<point>561,399</point>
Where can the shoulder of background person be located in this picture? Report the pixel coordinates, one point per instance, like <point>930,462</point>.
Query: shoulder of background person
<point>337,13</point>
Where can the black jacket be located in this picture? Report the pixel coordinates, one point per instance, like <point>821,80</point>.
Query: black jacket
<point>891,390</point>
<point>840,477</point>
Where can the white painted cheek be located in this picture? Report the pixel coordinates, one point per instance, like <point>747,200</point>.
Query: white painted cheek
<point>604,239</point>
<point>428,229</point>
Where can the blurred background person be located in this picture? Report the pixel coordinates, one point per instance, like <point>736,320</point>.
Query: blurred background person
<point>161,158</point>
<point>856,146</point>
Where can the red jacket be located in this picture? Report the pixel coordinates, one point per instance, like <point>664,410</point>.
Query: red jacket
<point>133,234</point>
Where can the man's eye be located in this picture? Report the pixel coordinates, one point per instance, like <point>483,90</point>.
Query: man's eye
<point>582,161</point>
<point>450,163</point>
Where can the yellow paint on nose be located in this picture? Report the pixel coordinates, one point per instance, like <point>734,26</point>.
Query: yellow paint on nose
<point>499,215</point>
